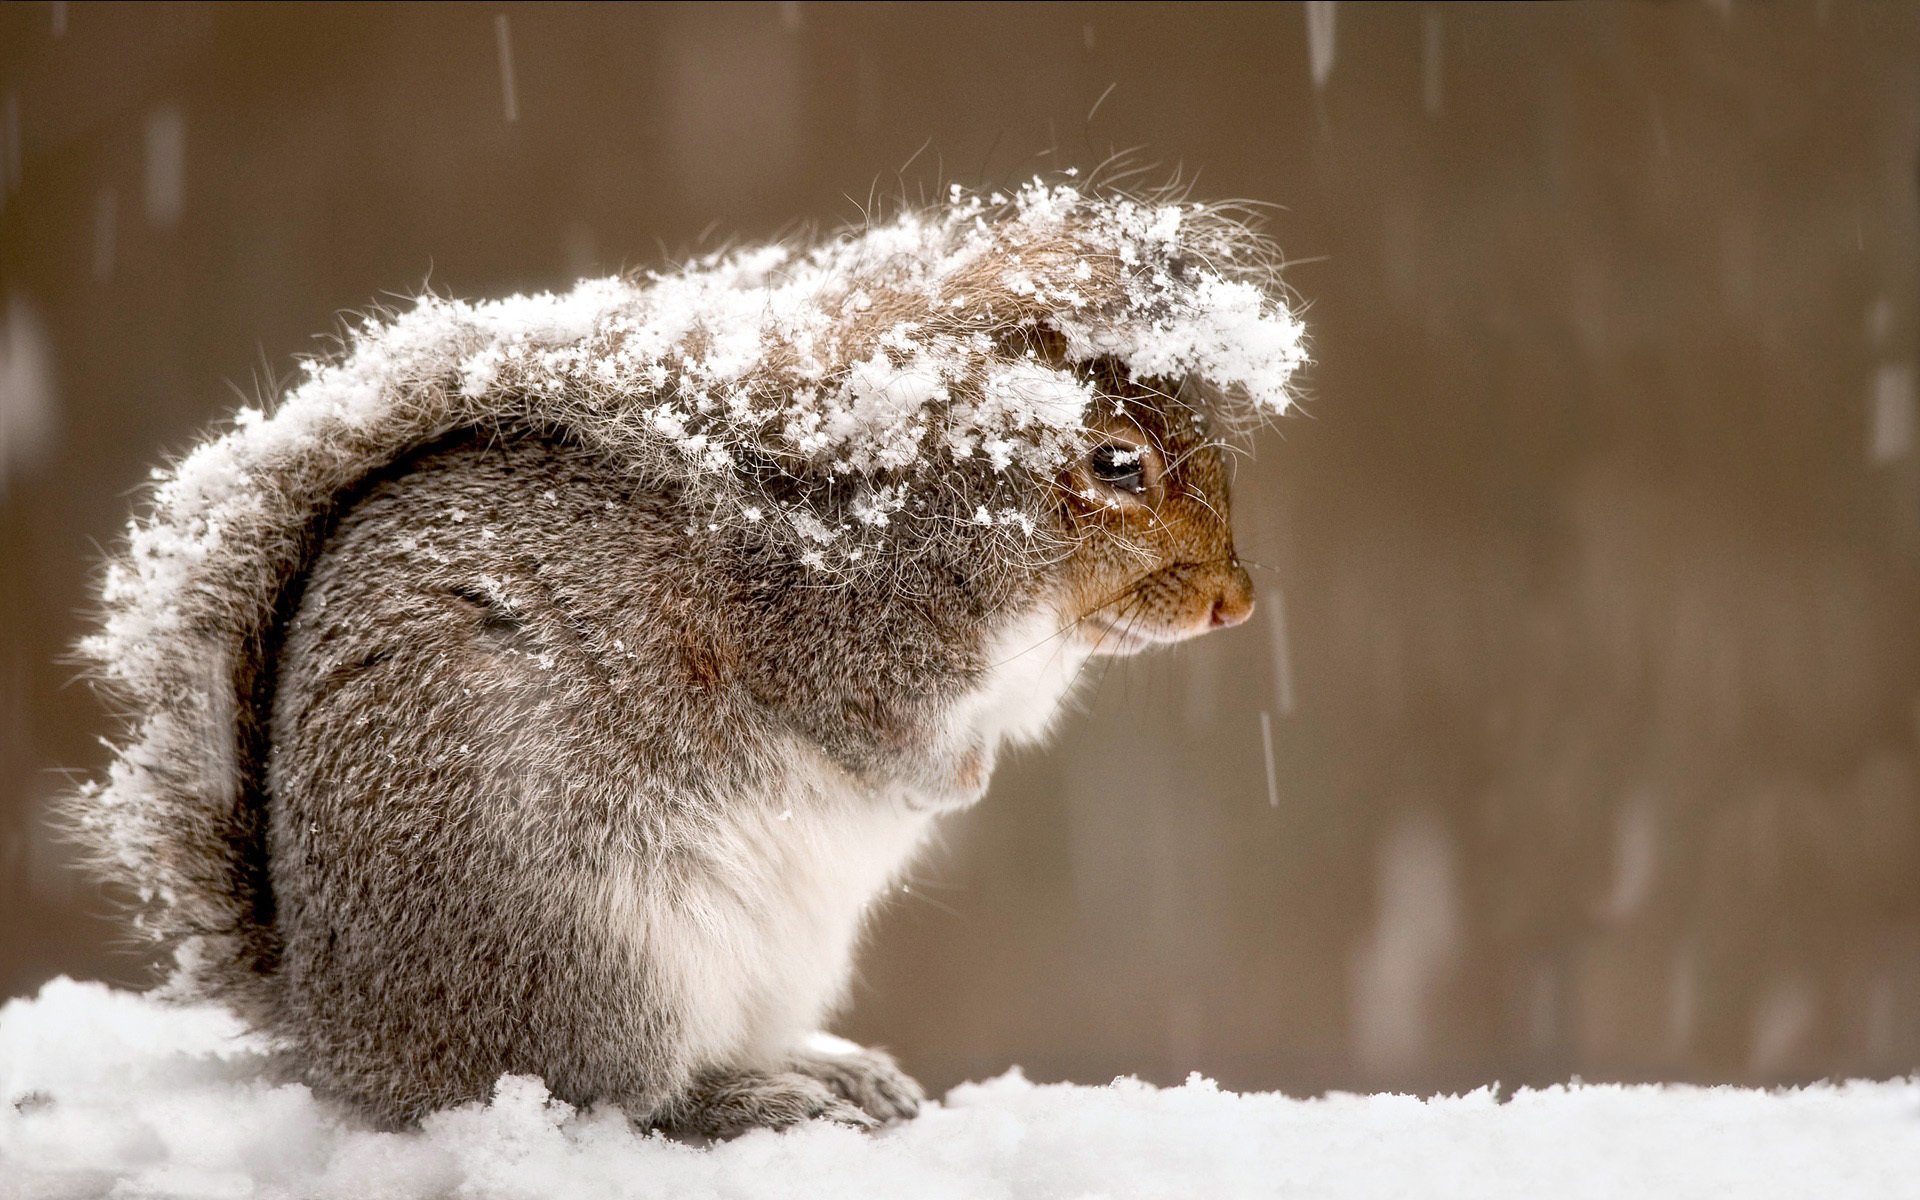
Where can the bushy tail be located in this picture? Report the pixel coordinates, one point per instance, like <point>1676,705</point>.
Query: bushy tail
<point>194,601</point>
<point>193,608</point>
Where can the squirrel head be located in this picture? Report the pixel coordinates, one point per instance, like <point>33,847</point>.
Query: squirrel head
<point>1147,513</point>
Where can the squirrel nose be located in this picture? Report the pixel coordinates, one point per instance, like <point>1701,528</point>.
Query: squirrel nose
<point>1235,602</point>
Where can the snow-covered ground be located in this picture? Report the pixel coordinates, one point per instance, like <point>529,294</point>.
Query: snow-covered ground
<point>104,1092</point>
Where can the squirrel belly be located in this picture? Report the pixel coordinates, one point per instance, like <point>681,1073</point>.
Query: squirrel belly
<point>539,801</point>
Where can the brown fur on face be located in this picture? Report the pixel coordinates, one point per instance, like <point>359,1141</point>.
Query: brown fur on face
<point>1153,558</point>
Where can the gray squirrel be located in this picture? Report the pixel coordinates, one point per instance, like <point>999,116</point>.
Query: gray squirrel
<point>549,686</point>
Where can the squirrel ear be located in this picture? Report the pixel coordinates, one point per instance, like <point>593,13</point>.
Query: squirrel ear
<point>1046,343</point>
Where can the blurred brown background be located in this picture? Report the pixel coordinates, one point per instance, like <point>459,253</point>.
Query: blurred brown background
<point>1590,636</point>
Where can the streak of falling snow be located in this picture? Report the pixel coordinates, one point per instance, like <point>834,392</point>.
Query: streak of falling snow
<point>1398,969</point>
<point>509,95</point>
<point>1185,1024</point>
<point>1782,1025</point>
<point>103,233</point>
<point>1320,41</point>
<point>166,166</point>
<point>1276,606</point>
<point>1740,256</point>
<point>1683,1000</point>
<point>1880,321</point>
<point>1636,860</point>
<point>27,402</point>
<point>582,248</point>
<point>1266,745</point>
<point>790,14</point>
<point>1543,1007</point>
<point>59,18</point>
<point>1893,418</point>
<point>10,135</point>
<point>1434,46</point>
<point>1880,1030</point>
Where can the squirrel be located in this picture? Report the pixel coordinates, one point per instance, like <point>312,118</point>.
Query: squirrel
<point>549,686</point>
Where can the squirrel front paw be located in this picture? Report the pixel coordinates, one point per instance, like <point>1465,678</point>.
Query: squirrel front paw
<point>871,1079</point>
<point>723,1102</point>
<point>953,780</point>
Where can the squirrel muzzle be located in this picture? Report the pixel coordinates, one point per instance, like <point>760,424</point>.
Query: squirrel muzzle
<point>1148,509</point>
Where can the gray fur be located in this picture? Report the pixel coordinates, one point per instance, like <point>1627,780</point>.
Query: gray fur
<point>513,672</point>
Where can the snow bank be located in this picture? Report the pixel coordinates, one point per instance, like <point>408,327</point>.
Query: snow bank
<point>104,1091</point>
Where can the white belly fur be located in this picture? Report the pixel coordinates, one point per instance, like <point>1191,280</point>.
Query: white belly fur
<point>1032,665</point>
<point>752,939</point>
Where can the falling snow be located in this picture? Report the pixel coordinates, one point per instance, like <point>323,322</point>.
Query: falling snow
<point>503,42</point>
<point>1432,60</point>
<point>27,404</point>
<point>1275,604</point>
<point>1320,24</point>
<point>1398,970</point>
<point>166,167</point>
<point>1266,748</point>
<point>1891,426</point>
<point>105,216</point>
<point>10,148</point>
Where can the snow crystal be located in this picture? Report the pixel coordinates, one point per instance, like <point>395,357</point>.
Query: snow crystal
<point>882,407</point>
<point>103,1091</point>
<point>1027,391</point>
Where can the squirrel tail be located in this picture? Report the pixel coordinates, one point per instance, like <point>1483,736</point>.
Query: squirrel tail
<point>193,609</point>
<point>193,605</point>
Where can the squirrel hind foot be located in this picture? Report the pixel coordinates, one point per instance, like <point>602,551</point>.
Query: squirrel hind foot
<point>871,1079</point>
<point>726,1102</point>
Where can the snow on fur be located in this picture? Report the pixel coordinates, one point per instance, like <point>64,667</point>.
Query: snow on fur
<point>829,397</point>
<point>106,1091</point>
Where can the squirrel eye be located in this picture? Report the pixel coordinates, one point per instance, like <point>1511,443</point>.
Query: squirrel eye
<point>1119,467</point>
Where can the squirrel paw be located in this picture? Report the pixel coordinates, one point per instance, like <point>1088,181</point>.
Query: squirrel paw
<point>723,1103</point>
<point>868,1078</point>
<point>954,781</point>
